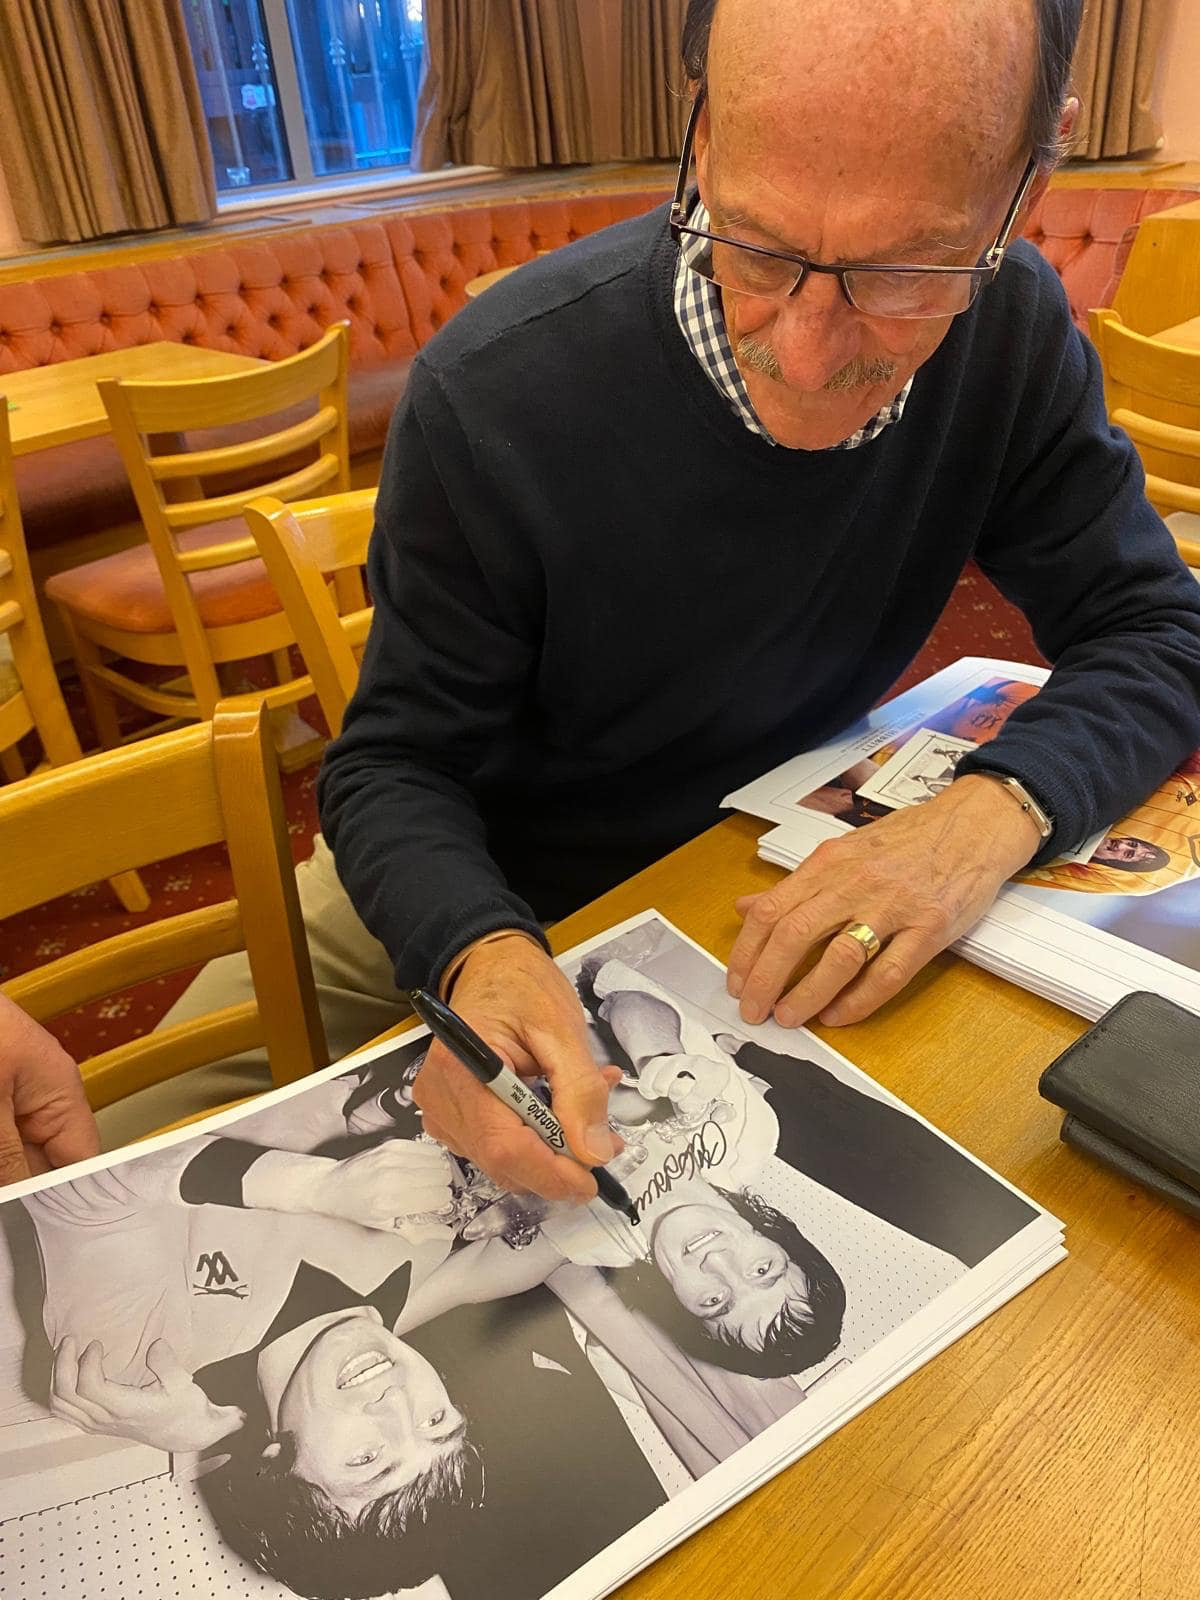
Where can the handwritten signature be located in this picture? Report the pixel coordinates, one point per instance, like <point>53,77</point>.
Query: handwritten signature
<point>707,1148</point>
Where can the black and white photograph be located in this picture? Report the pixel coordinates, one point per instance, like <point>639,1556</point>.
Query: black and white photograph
<point>922,767</point>
<point>304,1350</point>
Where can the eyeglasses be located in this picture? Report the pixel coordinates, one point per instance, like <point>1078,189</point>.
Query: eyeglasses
<point>905,292</point>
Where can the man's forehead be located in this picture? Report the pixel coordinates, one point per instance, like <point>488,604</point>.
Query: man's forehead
<point>912,73</point>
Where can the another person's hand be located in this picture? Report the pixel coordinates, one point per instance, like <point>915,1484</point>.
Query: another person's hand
<point>688,1081</point>
<point>919,878</point>
<point>45,1120</point>
<point>387,1186</point>
<point>401,1185</point>
<point>170,1413</point>
<point>516,999</point>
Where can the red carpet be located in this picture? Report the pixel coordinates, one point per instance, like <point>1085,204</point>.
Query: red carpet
<point>976,622</point>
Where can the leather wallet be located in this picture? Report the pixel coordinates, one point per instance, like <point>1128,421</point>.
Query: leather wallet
<point>1131,1089</point>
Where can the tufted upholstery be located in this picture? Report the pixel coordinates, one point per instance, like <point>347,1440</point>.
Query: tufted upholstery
<point>1086,235</point>
<point>396,281</point>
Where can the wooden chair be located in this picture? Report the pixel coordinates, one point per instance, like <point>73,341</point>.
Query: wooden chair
<point>196,596</point>
<point>31,700</point>
<point>302,547</point>
<point>1153,392</point>
<point>204,784</point>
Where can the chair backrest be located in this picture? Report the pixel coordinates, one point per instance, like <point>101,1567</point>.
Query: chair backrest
<point>30,697</point>
<point>149,423</point>
<point>1152,391</point>
<point>207,783</point>
<point>303,546</point>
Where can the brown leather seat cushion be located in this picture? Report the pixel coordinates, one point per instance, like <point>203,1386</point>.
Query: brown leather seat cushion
<point>72,490</point>
<point>374,395</point>
<point>125,591</point>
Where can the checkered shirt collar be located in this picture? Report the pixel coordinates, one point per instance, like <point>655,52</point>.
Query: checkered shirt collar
<point>701,319</point>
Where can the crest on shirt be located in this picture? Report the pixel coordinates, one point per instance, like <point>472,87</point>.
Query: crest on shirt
<point>214,1273</point>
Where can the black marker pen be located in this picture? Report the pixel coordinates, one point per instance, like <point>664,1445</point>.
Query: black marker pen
<point>481,1060</point>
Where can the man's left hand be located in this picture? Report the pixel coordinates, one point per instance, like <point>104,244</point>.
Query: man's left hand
<point>919,878</point>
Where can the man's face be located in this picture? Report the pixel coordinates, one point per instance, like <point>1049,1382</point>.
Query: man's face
<point>724,1273</point>
<point>368,1414</point>
<point>1122,848</point>
<point>851,152</point>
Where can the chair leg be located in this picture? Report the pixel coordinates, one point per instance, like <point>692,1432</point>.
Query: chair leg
<point>11,764</point>
<point>130,891</point>
<point>281,660</point>
<point>101,702</point>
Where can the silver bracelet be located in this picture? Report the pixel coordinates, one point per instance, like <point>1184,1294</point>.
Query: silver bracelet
<point>1041,820</point>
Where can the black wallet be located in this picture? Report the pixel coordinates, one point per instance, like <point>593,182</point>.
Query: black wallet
<point>1131,1089</point>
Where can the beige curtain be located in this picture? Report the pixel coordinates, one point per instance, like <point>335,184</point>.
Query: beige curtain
<point>653,108</point>
<point>504,85</point>
<point>104,129</point>
<point>600,23</point>
<point>1114,76</point>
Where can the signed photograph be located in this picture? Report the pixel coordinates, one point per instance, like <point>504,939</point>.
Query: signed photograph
<point>303,1350</point>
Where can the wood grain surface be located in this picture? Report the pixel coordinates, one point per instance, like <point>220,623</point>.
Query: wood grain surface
<point>1052,1453</point>
<point>1186,334</point>
<point>58,403</point>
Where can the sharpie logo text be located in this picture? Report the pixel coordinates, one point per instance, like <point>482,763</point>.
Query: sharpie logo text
<point>532,1109</point>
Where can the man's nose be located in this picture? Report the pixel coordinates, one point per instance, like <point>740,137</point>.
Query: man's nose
<point>814,333</point>
<point>721,1264</point>
<point>393,1407</point>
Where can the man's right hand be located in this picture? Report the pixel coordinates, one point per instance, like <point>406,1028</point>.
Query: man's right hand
<point>516,999</point>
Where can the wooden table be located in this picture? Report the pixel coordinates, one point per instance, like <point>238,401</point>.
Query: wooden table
<point>1184,333</point>
<point>485,280</point>
<point>59,403</point>
<point>1051,1454</point>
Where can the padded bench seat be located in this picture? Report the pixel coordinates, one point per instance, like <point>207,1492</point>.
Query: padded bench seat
<point>396,279</point>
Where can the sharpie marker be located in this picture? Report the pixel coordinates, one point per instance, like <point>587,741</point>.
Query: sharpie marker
<point>482,1062</point>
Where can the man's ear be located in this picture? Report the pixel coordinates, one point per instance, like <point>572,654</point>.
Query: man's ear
<point>1069,122</point>
<point>702,151</point>
<point>1066,135</point>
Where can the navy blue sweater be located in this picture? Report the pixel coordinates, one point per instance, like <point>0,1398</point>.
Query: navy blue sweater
<point>602,603</point>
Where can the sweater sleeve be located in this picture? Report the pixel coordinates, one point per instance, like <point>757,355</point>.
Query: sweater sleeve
<point>1073,541</point>
<point>446,668</point>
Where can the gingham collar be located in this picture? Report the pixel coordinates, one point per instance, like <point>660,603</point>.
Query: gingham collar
<point>701,319</point>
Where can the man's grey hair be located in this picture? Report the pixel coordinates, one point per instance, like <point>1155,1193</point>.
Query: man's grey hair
<point>1058,23</point>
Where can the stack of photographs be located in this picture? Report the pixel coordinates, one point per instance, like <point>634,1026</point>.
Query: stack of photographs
<point>1118,913</point>
<point>301,1350</point>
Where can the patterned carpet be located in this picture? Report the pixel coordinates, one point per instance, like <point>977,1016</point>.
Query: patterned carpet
<point>977,621</point>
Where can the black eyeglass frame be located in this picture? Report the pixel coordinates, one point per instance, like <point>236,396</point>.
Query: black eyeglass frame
<point>982,273</point>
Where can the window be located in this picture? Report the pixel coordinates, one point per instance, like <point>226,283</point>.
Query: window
<point>302,89</point>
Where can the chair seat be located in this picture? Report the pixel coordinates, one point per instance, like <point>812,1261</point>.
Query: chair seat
<point>125,590</point>
<point>1185,525</point>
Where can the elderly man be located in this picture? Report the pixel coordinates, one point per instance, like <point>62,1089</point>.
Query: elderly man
<point>676,503</point>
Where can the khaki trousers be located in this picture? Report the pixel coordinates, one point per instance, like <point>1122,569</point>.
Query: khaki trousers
<point>355,990</point>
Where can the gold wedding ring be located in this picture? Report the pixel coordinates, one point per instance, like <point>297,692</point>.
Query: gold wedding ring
<point>865,936</point>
